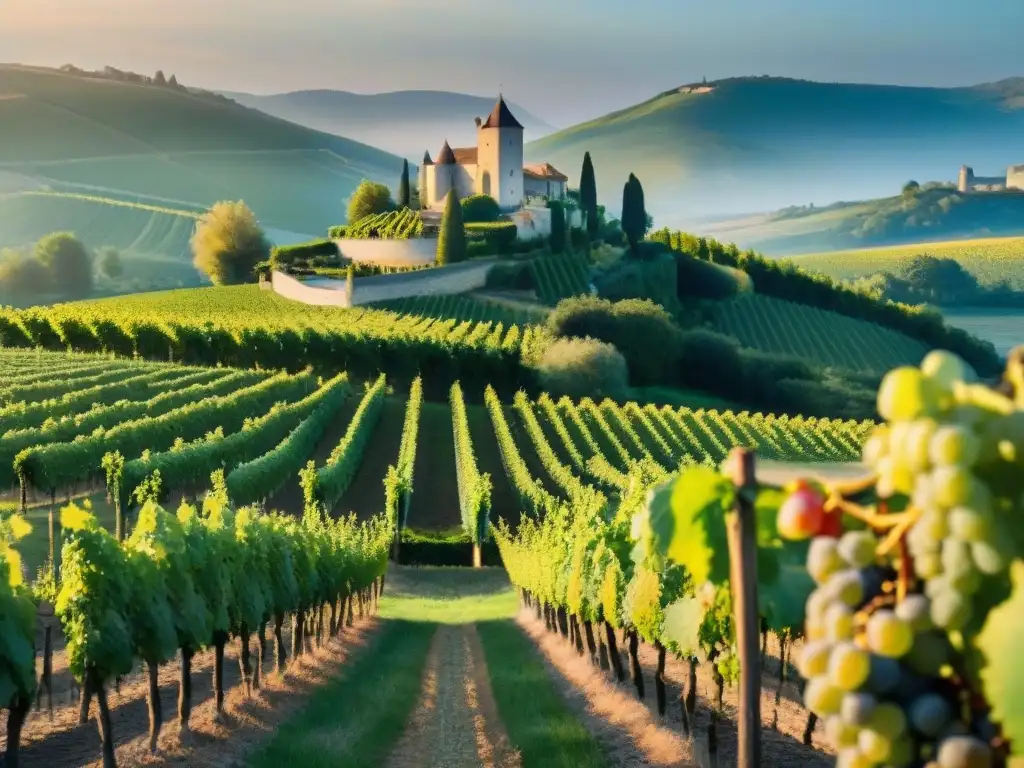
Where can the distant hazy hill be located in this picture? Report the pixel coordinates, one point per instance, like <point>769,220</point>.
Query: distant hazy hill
<point>933,213</point>
<point>762,143</point>
<point>403,122</point>
<point>105,136</point>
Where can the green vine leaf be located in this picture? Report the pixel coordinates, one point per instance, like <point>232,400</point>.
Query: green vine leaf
<point>696,519</point>
<point>1003,675</point>
<point>683,620</point>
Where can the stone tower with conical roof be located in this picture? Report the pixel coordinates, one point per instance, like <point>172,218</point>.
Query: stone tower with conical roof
<point>500,156</point>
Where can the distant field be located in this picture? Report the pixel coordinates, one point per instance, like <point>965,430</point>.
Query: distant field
<point>826,338</point>
<point>990,260</point>
<point>111,136</point>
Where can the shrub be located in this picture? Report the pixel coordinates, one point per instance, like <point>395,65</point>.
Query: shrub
<point>641,330</point>
<point>583,368</point>
<point>515,276</point>
<point>702,279</point>
<point>500,236</point>
<point>654,279</point>
<point>337,232</point>
<point>579,240</point>
<point>67,262</point>
<point>480,208</point>
<point>369,198</point>
<point>712,362</point>
<point>228,243</point>
<point>284,255</point>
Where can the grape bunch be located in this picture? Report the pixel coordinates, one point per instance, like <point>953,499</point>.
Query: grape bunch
<point>897,594</point>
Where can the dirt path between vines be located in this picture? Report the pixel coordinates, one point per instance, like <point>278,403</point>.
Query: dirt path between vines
<point>456,722</point>
<point>617,717</point>
<point>61,742</point>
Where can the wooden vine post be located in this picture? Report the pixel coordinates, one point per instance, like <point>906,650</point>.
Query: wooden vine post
<point>741,527</point>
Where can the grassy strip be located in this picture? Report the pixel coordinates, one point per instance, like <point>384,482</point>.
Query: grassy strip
<point>538,722</point>
<point>356,719</point>
<point>448,595</point>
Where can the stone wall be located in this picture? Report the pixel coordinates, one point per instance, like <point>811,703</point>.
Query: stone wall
<point>457,278</point>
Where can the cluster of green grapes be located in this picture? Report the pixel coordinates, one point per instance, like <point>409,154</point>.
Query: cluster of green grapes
<point>886,624</point>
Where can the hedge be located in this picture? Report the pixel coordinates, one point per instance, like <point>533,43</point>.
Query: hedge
<point>499,235</point>
<point>289,254</point>
<point>338,231</point>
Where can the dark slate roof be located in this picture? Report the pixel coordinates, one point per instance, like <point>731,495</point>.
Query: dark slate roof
<point>426,159</point>
<point>447,157</point>
<point>501,117</point>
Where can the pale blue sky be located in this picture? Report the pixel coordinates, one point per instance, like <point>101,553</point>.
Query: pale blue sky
<point>566,60</point>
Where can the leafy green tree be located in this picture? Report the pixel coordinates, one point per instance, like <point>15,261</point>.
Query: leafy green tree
<point>159,79</point>
<point>404,192</point>
<point>911,188</point>
<point>368,199</point>
<point>68,263</point>
<point>228,243</point>
<point>557,226</point>
<point>451,240</point>
<point>588,196</point>
<point>940,280</point>
<point>109,263</point>
<point>21,275</point>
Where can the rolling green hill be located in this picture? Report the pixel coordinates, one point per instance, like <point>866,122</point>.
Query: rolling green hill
<point>102,136</point>
<point>935,213</point>
<point>991,260</point>
<point>750,144</point>
<point>153,241</point>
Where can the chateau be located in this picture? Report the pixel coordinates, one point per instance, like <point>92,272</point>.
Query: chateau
<point>493,167</point>
<point>967,182</point>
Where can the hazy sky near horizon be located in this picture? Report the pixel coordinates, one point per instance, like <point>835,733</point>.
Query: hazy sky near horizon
<point>566,60</point>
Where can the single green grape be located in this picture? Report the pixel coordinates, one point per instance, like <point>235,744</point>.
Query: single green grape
<point>821,697</point>
<point>889,635</point>
<point>848,666</point>
<point>902,395</point>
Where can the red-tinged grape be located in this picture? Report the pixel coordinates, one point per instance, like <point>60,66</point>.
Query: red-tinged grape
<point>800,516</point>
<point>831,525</point>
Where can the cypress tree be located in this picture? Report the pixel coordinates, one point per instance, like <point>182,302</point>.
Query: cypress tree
<point>404,193</point>
<point>451,239</point>
<point>588,195</point>
<point>634,215</point>
<point>557,226</point>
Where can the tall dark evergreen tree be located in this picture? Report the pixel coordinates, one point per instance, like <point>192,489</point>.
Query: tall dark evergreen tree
<point>588,195</point>
<point>451,239</point>
<point>404,193</point>
<point>557,226</point>
<point>634,215</point>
